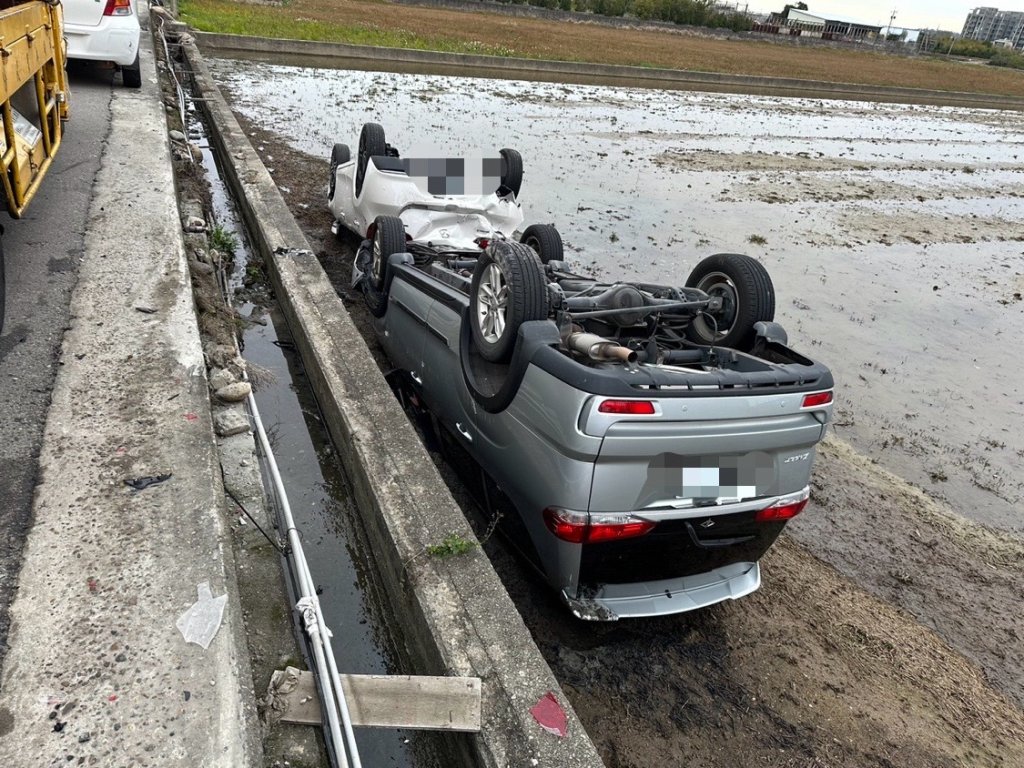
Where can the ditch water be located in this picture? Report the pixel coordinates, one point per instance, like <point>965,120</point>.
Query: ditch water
<point>318,490</point>
<point>892,232</point>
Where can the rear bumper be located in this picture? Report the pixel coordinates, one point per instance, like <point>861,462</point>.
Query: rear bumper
<point>661,598</point>
<point>115,40</point>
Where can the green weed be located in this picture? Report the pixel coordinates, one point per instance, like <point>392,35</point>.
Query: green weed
<point>223,240</point>
<point>451,546</point>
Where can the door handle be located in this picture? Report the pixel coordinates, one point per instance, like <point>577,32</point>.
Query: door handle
<point>416,378</point>
<point>464,432</point>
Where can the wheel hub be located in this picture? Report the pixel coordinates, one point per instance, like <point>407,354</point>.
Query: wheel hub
<point>718,285</point>
<point>492,303</point>
<point>378,260</point>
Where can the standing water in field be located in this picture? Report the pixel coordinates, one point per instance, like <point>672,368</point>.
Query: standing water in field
<point>892,232</point>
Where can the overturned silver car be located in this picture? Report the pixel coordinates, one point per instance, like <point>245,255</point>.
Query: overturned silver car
<point>642,445</point>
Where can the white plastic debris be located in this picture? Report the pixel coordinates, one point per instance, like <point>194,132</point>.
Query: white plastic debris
<point>199,624</point>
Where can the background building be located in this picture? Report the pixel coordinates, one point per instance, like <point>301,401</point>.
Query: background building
<point>831,27</point>
<point>991,24</point>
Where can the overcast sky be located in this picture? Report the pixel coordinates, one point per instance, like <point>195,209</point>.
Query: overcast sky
<point>911,14</point>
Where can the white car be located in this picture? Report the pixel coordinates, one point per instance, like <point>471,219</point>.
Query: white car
<point>378,183</point>
<point>105,30</point>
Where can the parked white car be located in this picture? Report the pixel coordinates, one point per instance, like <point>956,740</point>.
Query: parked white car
<point>105,30</point>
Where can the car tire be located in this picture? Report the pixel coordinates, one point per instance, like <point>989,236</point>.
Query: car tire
<point>545,240</point>
<point>131,75</point>
<point>747,293</point>
<point>376,300</point>
<point>511,171</point>
<point>371,143</point>
<point>508,289</point>
<point>388,238</point>
<point>339,156</point>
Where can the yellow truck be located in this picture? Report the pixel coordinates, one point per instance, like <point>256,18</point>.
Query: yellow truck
<point>33,101</point>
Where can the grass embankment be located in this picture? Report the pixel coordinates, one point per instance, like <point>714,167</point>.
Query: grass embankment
<point>289,22</point>
<point>370,22</point>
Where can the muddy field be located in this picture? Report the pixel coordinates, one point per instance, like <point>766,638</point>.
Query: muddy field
<point>372,22</point>
<point>888,629</point>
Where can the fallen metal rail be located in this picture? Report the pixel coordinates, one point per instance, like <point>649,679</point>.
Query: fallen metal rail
<point>178,88</point>
<point>335,707</point>
<point>341,745</point>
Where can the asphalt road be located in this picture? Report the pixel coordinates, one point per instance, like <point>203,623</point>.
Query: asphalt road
<point>42,252</point>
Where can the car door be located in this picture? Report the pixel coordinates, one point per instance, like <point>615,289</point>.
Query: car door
<point>405,324</point>
<point>443,383</point>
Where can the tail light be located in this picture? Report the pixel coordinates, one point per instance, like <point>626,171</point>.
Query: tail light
<point>816,399</point>
<point>586,528</point>
<point>784,508</point>
<point>483,242</point>
<point>627,407</point>
<point>118,8</point>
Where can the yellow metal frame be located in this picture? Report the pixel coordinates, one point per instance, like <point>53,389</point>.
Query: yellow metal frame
<point>31,48</point>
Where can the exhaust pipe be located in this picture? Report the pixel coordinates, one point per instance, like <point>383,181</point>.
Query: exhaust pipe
<point>597,348</point>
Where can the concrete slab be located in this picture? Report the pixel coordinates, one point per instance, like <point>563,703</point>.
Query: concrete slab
<point>97,673</point>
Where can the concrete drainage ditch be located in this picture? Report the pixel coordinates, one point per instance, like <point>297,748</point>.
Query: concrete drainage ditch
<point>321,499</point>
<point>446,617</point>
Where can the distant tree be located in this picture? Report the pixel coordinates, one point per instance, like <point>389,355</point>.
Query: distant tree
<point>693,12</point>
<point>975,49</point>
<point>1006,58</point>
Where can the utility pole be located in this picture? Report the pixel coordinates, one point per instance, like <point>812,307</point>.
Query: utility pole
<point>888,29</point>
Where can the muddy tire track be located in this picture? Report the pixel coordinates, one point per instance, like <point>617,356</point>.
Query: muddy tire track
<point>963,580</point>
